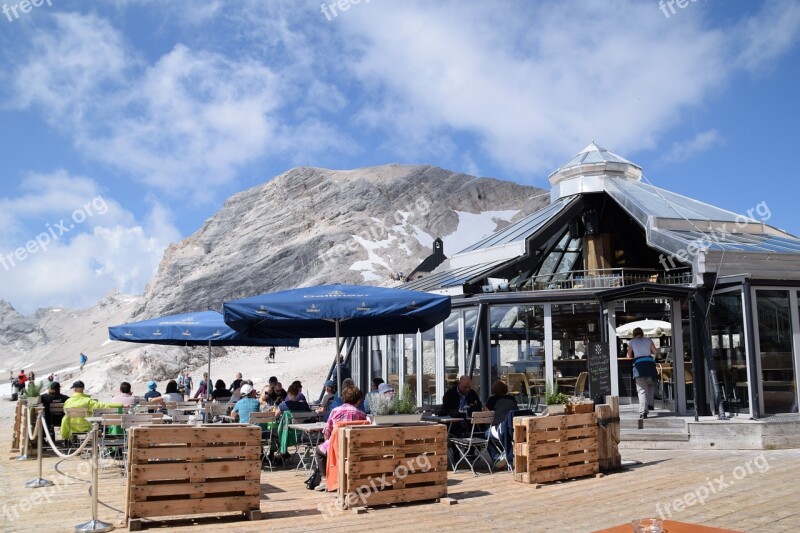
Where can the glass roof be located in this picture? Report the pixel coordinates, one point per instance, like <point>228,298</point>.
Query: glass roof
<point>660,203</point>
<point>594,154</point>
<point>451,278</point>
<point>519,231</point>
<point>715,240</point>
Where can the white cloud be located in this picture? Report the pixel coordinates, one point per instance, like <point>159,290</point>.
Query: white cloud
<point>769,35</point>
<point>183,124</point>
<point>83,257</point>
<point>533,82</point>
<point>683,150</point>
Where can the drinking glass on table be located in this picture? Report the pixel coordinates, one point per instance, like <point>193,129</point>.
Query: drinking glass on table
<point>647,525</point>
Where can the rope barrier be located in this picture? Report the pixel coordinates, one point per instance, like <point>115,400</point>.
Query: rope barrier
<point>89,437</point>
<point>31,436</point>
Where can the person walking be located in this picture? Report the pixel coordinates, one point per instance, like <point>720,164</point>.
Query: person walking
<point>271,354</point>
<point>643,352</point>
<point>83,359</point>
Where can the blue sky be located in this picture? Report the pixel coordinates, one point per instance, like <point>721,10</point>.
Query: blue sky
<point>132,121</point>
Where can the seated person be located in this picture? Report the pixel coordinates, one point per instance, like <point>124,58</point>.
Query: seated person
<point>171,393</point>
<point>220,392</point>
<point>248,404</point>
<point>53,395</point>
<point>278,394</point>
<point>338,401</point>
<point>237,393</point>
<point>461,398</point>
<point>236,383</point>
<point>291,403</point>
<point>327,398</point>
<point>125,397</point>
<point>373,390</point>
<point>348,411</point>
<point>151,391</point>
<point>71,425</point>
<point>300,396</point>
<point>502,403</point>
<point>263,397</point>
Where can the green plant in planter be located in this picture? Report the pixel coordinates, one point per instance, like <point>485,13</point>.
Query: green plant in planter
<point>405,402</point>
<point>554,398</point>
<point>33,390</point>
<point>380,404</point>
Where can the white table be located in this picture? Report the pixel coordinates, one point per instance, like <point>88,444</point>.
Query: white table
<point>314,431</point>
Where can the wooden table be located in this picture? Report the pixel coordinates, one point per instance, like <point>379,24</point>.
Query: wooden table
<point>670,526</point>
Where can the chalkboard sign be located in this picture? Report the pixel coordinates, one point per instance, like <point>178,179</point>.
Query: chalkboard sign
<point>599,371</point>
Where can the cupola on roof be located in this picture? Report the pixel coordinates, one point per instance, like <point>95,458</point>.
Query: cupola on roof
<point>587,168</point>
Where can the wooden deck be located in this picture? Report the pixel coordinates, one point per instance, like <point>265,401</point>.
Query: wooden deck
<point>762,501</point>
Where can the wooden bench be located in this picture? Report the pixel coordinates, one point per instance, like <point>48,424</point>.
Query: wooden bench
<point>185,470</point>
<point>386,465</point>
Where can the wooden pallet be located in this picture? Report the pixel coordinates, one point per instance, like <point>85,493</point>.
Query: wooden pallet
<point>386,465</point>
<point>178,470</point>
<point>553,448</point>
<point>16,434</point>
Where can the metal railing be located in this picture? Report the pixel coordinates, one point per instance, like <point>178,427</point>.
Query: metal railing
<point>606,278</point>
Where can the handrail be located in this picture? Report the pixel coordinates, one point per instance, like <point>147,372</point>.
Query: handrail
<point>601,278</point>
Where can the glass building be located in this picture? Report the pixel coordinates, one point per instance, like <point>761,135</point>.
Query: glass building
<point>719,292</point>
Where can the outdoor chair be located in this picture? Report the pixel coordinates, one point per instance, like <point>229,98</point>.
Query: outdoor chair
<point>665,385</point>
<point>112,436</point>
<point>267,421</point>
<point>476,443</point>
<point>517,386</point>
<point>76,439</point>
<point>215,411</point>
<point>131,421</point>
<point>580,384</point>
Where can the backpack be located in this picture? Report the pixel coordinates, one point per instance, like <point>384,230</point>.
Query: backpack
<point>314,479</point>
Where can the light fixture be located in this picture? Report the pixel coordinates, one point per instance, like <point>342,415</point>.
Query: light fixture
<point>591,327</point>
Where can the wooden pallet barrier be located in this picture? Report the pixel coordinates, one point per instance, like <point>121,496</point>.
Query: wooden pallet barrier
<point>176,470</point>
<point>385,465</point>
<point>16,434</point>
<point>553,448</point>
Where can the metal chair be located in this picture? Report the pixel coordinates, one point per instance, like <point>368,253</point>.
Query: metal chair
<point>76,439</point>
<point>474,444</point>
<point>217,410</point>
<point>665,383</point>
<point>266,420</point>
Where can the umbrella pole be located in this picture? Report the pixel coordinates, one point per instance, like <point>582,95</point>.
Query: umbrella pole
<point>208,381</point>
<point>338,362</point>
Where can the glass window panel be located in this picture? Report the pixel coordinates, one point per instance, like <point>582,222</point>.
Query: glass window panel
<point>726,325</point>
<point>775,351</point>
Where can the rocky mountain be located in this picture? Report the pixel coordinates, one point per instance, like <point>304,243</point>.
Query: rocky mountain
<point>307,226</point>
<point>311,226</point>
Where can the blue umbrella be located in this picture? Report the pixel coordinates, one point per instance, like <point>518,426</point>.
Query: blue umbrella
<point>190,329</point>
<point>336,310</point>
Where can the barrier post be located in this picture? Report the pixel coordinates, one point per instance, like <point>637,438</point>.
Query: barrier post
<point>39,482</point>
<point>94,524</point>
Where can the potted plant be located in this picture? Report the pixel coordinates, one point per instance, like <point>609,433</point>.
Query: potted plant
<point>579,404</point>
<point>398,409</point>
<point>556,401</point>
<point>33,392</point>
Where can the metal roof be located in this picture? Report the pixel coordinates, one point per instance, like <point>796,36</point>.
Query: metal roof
<point>715,240</point>
<point>521,230</point>
<point>593,154</point>
<point>454,277</point>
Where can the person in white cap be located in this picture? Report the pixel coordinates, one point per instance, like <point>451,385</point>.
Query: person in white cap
<point>248,404</point>
<point>386,390</point>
